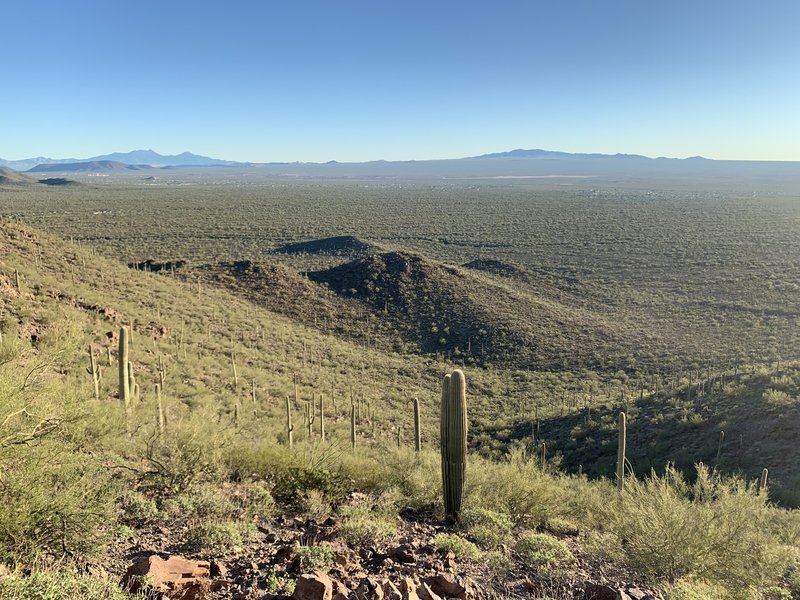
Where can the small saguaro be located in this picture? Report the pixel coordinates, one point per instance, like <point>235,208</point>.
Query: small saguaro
<point>353,426</point>
<point>124,381</point>
<point>94,370</point>
<point>417,432</point>
<point>623,433</point>
<point>289,426</point>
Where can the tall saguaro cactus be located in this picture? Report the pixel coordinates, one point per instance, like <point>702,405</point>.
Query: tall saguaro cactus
<point>417,432</point>
<point>124,381</point>
<point>353,426</point>
<point>623,433</point>
<point>289,426</point>
<point>95,372</point>
<point>453,430</point>
<point>322,417</point>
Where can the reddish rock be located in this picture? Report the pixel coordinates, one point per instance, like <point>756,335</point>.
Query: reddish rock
<point>390,591</point>
<point>447,585</point>
<point>425,592</point>
<point>314,586</point>
<point>175,577</point>
<point>409,589</point>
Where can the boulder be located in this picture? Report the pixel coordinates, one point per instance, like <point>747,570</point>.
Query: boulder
<point>447,585</point>
<point>174,577</point>
<point>313,586</point>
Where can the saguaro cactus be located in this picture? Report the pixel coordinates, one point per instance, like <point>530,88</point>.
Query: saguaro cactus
<point>289,426</point>
<point>623,433</point>
<point>95,372</point>
<point>124,381</point>
<point>322,417</point>
<point>719,446</point>
<point>417,429</point>
<point>762,481</point>
<point>160,420</point>
<point>353,426</point>
<point>453,430</point>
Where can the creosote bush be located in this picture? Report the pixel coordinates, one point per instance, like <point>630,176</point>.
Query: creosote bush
<point>61,585</point>
<point>715,530</point>
<point>488,528</point>
<point>218,538</point>
<point>544,552</point>
<point>458,545</point>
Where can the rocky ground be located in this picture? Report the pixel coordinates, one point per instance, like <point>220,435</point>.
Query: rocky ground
<point>270,566</point>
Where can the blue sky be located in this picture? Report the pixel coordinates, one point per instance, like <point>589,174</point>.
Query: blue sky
<point>361,80</point>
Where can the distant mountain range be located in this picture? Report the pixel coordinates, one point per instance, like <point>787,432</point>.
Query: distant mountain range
<point>136,157</point>
<point>514,164</point>
<point>90,166</point>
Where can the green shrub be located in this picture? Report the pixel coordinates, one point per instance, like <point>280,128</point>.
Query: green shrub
<point>138,509</point>
<point>217,538</point>
<point>205,502</point>
<point>257,501</point>
<point>686,590</point>
<point>276,584</point>
<point>517,487</point>
<point>52,505</point>
<point>498,564</point>
<point>61,585</point>
<point>316,556</point>
<point>366,531</point>
<point>715,530</point>
<point>604,546</point>
<point>458,545</point>
<point>544,552</point>
<point>488,528</point>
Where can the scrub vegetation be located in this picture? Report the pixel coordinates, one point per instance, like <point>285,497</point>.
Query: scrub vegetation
<point>562,306</point>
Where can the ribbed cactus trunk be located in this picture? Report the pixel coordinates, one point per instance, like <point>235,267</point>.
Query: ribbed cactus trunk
<point>353,426</point>
<point>453,430</point>
<point>95,371</point>
<point>124,381</point>
<point>762,481</point>
<point>289,426</point>
<point>160,420</point>
<point>322,417</point>
<point>623,433</point>
<point>131,381</point>
<point>417,428</point>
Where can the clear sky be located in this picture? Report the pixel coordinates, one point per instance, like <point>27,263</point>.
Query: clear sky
<point>400,79</point>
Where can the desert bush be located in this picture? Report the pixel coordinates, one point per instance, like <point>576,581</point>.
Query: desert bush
<point>60,585</point>
<point>458,545</point>
<point>256,501</point>
<point>364,526</point>
<point>715,530</point>
<point>314,556</point>
<point>51,506</point>
<point>217,538</point>
<point>488,528</point>
<point>544,552</point>
<point>517,486</point>
<point>138,509</point>
<point>498,564</point>
<point>190,453</point>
